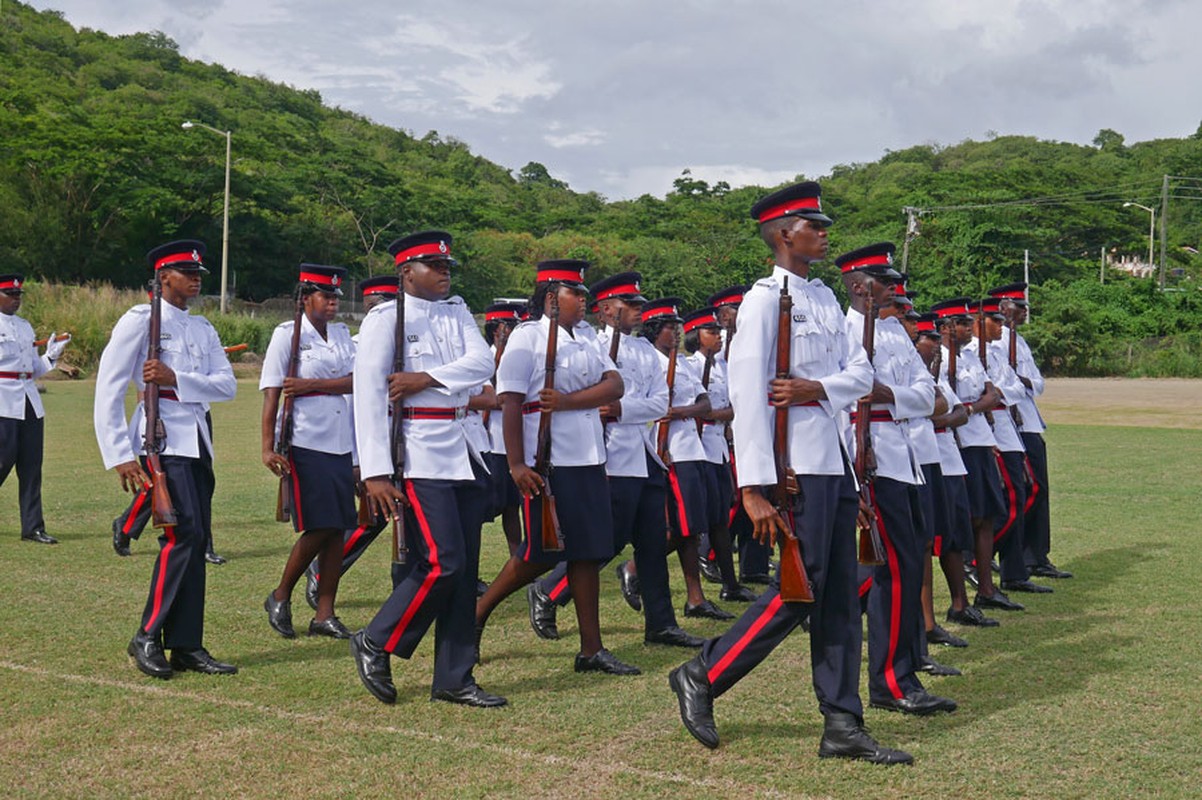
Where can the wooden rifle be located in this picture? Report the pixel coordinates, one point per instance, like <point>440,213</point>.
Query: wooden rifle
<point>705,384</point>
<point>162,510</point>
<point>400,550</point>
<point>661,435</point>
<point>872,551</point>
<point>613,356</point>
<point>552,536</point>
<point>1015,414</point>
<point>283,439</point>
<point>983,350</point>
<point>794,582</point>
<point>953,352</point>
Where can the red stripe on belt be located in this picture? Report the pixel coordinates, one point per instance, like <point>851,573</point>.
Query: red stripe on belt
<point>940,430</point>
<point>531,408</point>
<point>17,376</point>
<point>807,404</point>
<point>878,415</point>
<point>417,412</point>
<point>168,394</point>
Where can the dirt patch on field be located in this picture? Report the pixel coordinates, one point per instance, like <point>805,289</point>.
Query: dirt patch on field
<point>1145,402</point>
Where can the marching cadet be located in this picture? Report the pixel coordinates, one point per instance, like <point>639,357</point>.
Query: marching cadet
<point>637,477</point>
<point>22,428</point>
<point>191,372</point>
<point>585,380</point>
<point>1037,540</point>
<point>829,371</point>
<point>903,390</point>
<point>703,341</point>
<point>754,557</point>
<point>500,319</point>
<point>972,386</point>
<point>355,540</point>
<point>680,447</point>
<point>1011,455</point>
<point>319,464</point>
<point>443,488</point>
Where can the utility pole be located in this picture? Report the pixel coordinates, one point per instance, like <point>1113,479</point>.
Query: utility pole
<point>911,232</point>
<point>1027,281</point>
<point>1102,268</point>
<point>1164,225</point>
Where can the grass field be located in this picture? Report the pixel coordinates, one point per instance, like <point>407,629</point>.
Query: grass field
<point>1093,692</point>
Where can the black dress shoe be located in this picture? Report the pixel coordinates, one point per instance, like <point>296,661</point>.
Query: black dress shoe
<point>470,695</point>
<point>844,736</point>
<point>40,536</point>
<point>739,594</point>
<point>707,610</point>
<point>604,661</point>
<point>311,586</point>
<point>756,577</point>
<point>371,663</point>
<point>971,616</point>
<point>199,660</point>
<point>1049,570</point>
<point>938,635</point>
<point>696,699</point>
<point>330,626</point>
<point>211,557</point>
<point>709,570</point>
<point>932,667</point>
<point>674,636</point>
<point>1026,586</point>
<point>148,655</point>
<point>542,613</point>
<point>279,616</point>
<point>970,575</point>
<point>120,540</point>
<point>629,584</point>
<point>919,702</point>
<point>997,600</point>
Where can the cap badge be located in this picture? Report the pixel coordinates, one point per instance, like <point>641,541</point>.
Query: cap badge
<point>442,247</point>
<point>195,256</point>
<point>335,280</point>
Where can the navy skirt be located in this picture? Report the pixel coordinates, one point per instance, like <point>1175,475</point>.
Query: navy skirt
<point>719,494</point>
<point>985,497</point>
<point>323,490</point>
<point>688,498</point>
<point>503,492</point>
<point>585,518</point>
<point>957,534</point>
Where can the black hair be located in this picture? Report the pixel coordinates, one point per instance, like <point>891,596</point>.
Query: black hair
<point>490,328</point>
<point>692,341</point>
<point>651,329</point>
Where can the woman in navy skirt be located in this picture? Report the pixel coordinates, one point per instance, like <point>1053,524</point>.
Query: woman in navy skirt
<point>320,462</point>
<point>585,379</point>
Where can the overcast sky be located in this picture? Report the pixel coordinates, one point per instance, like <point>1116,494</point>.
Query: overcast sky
<point>620,96</point>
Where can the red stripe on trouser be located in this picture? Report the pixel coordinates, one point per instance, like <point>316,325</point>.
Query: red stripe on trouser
<point>677,495</point>
<point>1035,487</point>
<point>349,545</point>
<point>716,671</point>
<point>296,497</point>
<point>866,586</point>
<point>559,589</point>
<point>937,547</point>
<point>435,572</point>
<point>894,598</point>
<point>143,493</point>
<point>1011,500</point>
<point>161,578</point>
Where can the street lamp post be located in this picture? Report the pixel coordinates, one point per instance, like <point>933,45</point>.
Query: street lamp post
<point>225,212</point>
<point>1151,227</point>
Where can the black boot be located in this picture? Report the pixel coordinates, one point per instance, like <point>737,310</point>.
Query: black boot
<point>844,736</point>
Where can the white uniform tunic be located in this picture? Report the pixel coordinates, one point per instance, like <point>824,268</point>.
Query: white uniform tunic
<point>684,444</point>
<point>820,351</point>
<point>1026,368</point>
<point>970,385</point>
<point>320,422</point>
<point>19,355</point>
<point>896,364</point>
<point>950,462</point>
<point>713,434</point>
<point>1013,391</point>
<point>202,373</point>
<point>576,436</point>
<point>645,400</point>
<point>441,339</point>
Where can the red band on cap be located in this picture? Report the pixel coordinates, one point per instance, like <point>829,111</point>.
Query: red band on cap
<point>318,278</point>
<point>992,307</point>
<point>628,288</point>
<point>493,315</point>
<point>899,289</point>
<point>382,288</point>
<point>708,319</point>
<point>177,258</point>
<point>572,275</point>
<point>868,261</point>
<point>10,284</point>
<point>926,326</point>
<point>807,203</point>
<point>417,251</point>
<point>662,311</point>
<point>729,300</point>
<point>953,311</point>
<point>1015,294</point>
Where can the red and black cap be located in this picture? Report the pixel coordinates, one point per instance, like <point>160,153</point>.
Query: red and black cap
<point>990,306</point>
<point>625,286</point>
<point>11,283</point>
<point>956,307</point>
<point>730,296</point>
<point>875,260</point>
<point>701,318</point>
<point>323,278</point>
<point>185,255</point>
<point>1014,292</point>
<point>504,312</point>
<point>568,271</point>
<point>380,285</point>
<point>665,309</point>
<point>926,324</point>
<point>799,200</point>
<point>422,246</point>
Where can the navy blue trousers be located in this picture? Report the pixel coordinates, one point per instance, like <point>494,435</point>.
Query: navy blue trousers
<point>1037,533</point>
<point>1009,528</point>
<point>21,445</point>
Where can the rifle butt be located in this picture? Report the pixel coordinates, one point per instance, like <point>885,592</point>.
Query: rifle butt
<point>162,510</point>
<point>552,537</point>
<point>794,582</point>
<point>365,515</point>
<point>283,500</point>
<point>400,551</point>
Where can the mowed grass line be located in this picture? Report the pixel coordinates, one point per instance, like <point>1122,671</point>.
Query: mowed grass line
<point>1091,693</point>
